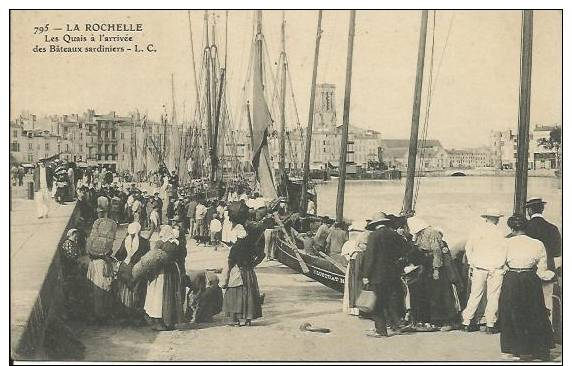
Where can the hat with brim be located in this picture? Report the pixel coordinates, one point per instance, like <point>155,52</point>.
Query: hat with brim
<point>491,212</point>
<point>416,224</point>
<point>378,218</point>
<point>535,201</point>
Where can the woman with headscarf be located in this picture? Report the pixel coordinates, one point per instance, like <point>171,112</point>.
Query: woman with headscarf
<point>434,298</point>
<point>73,273</point>
<point>132,295</point>
<point>524,323</point>
<point>242,297</point>
<point>164,300</point>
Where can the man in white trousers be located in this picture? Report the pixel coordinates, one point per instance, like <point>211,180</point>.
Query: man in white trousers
<point>486,255</point>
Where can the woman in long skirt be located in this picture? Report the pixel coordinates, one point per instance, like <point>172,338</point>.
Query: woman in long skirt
<point>164,300</point>
<point>434,298</point>
<point>132,295</point>
<point>100,278</point>
<point>524,323</point>
<point>242,298</point>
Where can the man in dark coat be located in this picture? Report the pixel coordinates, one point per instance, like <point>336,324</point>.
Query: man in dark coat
<point>382,271</point>
<point>540,229</point>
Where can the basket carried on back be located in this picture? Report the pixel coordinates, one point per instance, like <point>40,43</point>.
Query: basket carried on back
<point>100,241</point>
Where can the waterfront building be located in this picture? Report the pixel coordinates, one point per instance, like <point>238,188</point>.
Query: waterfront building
<point>394,153</point>
<point>470,158</point>
<point>543,157</point>
<point>363,144</point>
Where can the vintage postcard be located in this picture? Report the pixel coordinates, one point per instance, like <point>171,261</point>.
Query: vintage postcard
<point>286,185</point>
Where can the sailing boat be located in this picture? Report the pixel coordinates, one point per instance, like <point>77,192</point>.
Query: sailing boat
<point>325,270</point>
<point>322,268</point>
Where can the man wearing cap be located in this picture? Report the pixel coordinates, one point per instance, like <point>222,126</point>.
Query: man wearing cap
<point>382,272</point>
<point>486,256</point>
<point>540,229</point>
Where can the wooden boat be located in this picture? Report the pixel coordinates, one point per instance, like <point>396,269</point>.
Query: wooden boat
<point>320,269</point>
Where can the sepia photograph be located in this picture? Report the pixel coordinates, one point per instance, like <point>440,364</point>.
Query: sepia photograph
<point>285,185</point>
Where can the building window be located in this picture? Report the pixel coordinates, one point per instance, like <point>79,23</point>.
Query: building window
<point>47,146</point>
<point>123,147</point>
<point>38,147</point>
<point>122,135</point>
<point>30,147</point>
<point>30,157</point>
<point>15,133</point>
<point>15,147</point>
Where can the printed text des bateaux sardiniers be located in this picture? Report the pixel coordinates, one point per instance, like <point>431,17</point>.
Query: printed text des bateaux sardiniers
<point>92,38</point>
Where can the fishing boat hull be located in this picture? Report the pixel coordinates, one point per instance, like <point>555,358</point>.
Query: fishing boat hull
<point>320,269</point>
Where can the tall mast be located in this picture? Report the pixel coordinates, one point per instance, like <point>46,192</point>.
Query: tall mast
<point>208,83</point>
<point>214,157</point>
<point>412,155</point>
<point>346,121</point>
<point>282,161</point>
<point>309,129</point>
<point>174,108</point>
<point>250,125</point>
<point>521,178</point>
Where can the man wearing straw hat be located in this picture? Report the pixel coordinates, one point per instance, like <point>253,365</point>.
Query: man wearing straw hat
<point>486,255</point>
<point>540,229</point>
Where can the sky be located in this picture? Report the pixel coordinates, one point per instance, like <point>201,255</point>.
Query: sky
<point>476,67</point>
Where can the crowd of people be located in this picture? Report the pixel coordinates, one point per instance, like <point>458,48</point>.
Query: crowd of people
<point>418,286</point>
<point>124,260</point>
<point>504,282</point>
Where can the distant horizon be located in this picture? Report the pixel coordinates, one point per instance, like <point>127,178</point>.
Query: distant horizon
<point>384,136</point>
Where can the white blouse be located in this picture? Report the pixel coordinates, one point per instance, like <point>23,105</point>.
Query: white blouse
<point>525,252</point>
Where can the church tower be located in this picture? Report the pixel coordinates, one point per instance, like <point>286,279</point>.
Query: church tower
<point>325,107</point>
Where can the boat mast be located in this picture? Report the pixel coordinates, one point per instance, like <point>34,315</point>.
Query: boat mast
<point>208,84</point>
<point>309,129</point>
<point>214,100</point>
<point>282,161</point>
<point>521,178</point>
<point>346,120</point>
<point>412,155</point>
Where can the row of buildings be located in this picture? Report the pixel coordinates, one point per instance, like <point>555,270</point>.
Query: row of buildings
<point>134,143</point>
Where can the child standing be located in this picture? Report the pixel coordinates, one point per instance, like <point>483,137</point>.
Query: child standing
<point>215,228</point>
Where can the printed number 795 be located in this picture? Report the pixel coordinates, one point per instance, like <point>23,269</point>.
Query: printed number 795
<point>41,29</point>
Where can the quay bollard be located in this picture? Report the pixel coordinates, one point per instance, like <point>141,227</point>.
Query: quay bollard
<point>30,190</point>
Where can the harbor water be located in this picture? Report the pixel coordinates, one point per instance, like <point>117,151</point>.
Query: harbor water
<point>451,203</point>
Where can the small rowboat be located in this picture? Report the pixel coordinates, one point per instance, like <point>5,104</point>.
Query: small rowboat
<point>320,269</point>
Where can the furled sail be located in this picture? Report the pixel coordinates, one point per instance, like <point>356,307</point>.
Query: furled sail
<point>261,120</point>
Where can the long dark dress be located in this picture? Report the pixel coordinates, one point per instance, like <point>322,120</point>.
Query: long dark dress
<point>434,301</point>
<point>132,295</point>
<point>525,326</point>
<point>173,296</point>
<point>243,302</point>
